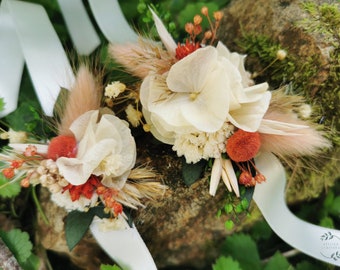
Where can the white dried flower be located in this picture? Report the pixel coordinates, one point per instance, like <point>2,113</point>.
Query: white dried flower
<point>113,89</point>
<point>112,224</point>
<point>201,92</point>
<point>41,169</point>
<point>14,136</point>
<point>100,143</point>
<point>281,54</point>
<point>134,116</point>
<point>54,188</point>
<point>305,111</point>
<point>62,182</point>
<point>63,199</point>
<point>202,145</point>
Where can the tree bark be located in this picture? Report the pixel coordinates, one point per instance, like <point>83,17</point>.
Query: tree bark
<point>7,259</point>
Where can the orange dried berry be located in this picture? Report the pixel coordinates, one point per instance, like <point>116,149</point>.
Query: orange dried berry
<point>208,34</point>
<point>101,190</point>
<point>117,208</point>
<point>25,182</point>
<point>30,151</point>
<point>247,179</point>
<point>16,163</point>
<point>8,172</point>
<point>62,146</point>
<point>259,178</point>
<point>189,28</point>
<point>197,19</point>
<point>243,145</point>
<point>205,11</point>
<point>197,30</point>
<point>218,15</point>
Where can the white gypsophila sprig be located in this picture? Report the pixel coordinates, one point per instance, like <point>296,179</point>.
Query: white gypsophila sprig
<point>113,89</point>
<point>63,199</point>
<point>134,116</point>
<point>202,145</point>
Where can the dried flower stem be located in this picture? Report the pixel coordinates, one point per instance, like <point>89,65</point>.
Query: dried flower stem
<point>38,205</point>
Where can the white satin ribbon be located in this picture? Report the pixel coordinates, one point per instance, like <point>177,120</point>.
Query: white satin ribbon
<point>112,22</point>
<point>27,34</point>
<point>126,247</point>
<point>318,242</point>
<point>78,23</point>
<point>11,61</point>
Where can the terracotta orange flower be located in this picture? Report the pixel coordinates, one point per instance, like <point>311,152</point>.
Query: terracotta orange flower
<point>243,145</point>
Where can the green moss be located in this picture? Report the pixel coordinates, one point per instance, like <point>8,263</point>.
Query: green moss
<point>315,79</point>
<point>324,20</point>
<point>261,52</point>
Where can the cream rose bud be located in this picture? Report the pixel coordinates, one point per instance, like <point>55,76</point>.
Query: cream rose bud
<point>202,91</point>
<point>105,148</point>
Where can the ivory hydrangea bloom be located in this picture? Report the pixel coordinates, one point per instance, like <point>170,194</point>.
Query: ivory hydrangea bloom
<point>202,91</point>
<point>106,148</point>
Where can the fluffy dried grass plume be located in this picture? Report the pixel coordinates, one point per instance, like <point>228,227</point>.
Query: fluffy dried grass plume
<point>301,138</point>
<point>84,96</point>
<point>141,58</point>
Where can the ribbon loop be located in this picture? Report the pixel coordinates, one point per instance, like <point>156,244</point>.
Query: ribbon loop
<point>316,241</point>
<point>41,48</point>
<point>82,32</point>
<point>111,21</point>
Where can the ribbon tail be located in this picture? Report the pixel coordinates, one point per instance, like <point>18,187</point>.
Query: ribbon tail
<point>42,50</point>
<point>318,242</point>
<point>126,247</point>
<point>12,62</point>
<point>112,22</point>
<point>82,32</point>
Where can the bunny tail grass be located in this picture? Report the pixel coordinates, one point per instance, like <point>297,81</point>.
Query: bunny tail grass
<point>84,96</point>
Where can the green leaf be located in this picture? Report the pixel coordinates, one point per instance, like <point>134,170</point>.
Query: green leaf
<point>228,208</point>
<point>335,207</point>
<point>243,249</point>
<point>76,225</point>
<point>247,194</point>
<point>306,265</point>
<point>32,263</point>
<point>223,263</point>
<point>99,212</point>
<point>2,104</point>
<point>327,203</point>
<point>261,230</point>
<point>18,243</point>
<point>245,203</point>
<point>7,189</point>
<point>188,13</point>
<point>192,172</point>
<point>327,222</point>
<point>229,224</point>
<point>109,267</point>
<point>278,261</point>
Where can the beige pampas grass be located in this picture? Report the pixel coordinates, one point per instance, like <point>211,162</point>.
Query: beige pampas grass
<point>284,134</point>
<point>84,96</point>
<point>139,59</point>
